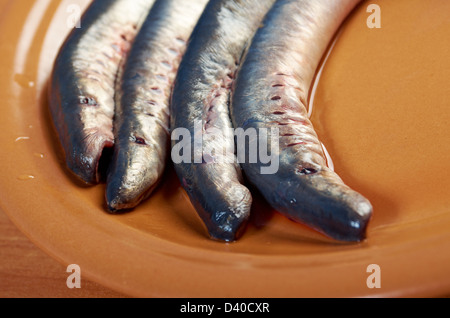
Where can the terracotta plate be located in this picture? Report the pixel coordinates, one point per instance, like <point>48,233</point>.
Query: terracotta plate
<point>381,108</point>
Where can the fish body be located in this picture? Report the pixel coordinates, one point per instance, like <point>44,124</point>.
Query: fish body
<point>200,105</point>
<point>271,90</point>
<point>82,86</point>
<point>141,125</point>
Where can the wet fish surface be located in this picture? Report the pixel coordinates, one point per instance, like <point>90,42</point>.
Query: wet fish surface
<point>200,104</point>
<point>271,90</point>
<point>82,87</point>
<point>141,125</point>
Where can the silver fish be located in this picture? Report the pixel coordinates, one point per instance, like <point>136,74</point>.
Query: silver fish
<point>141,124</point>
<point>81,93</point>
<point>271,90</point>
<point>201,99</point>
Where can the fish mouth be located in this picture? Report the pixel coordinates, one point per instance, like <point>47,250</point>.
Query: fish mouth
<point>119,201</point>
<point>90,167</point>
<point>328,206</point>
<point>122,196</point>
<point>225,215</point>
<point>346,220</point>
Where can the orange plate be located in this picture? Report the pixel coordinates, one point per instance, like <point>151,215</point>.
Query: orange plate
<point>381,109</point>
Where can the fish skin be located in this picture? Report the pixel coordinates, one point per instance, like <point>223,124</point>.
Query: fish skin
<point>82,84</point>
<point>141,124</point>
<point>201,94</point>
<point>271,90</point>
